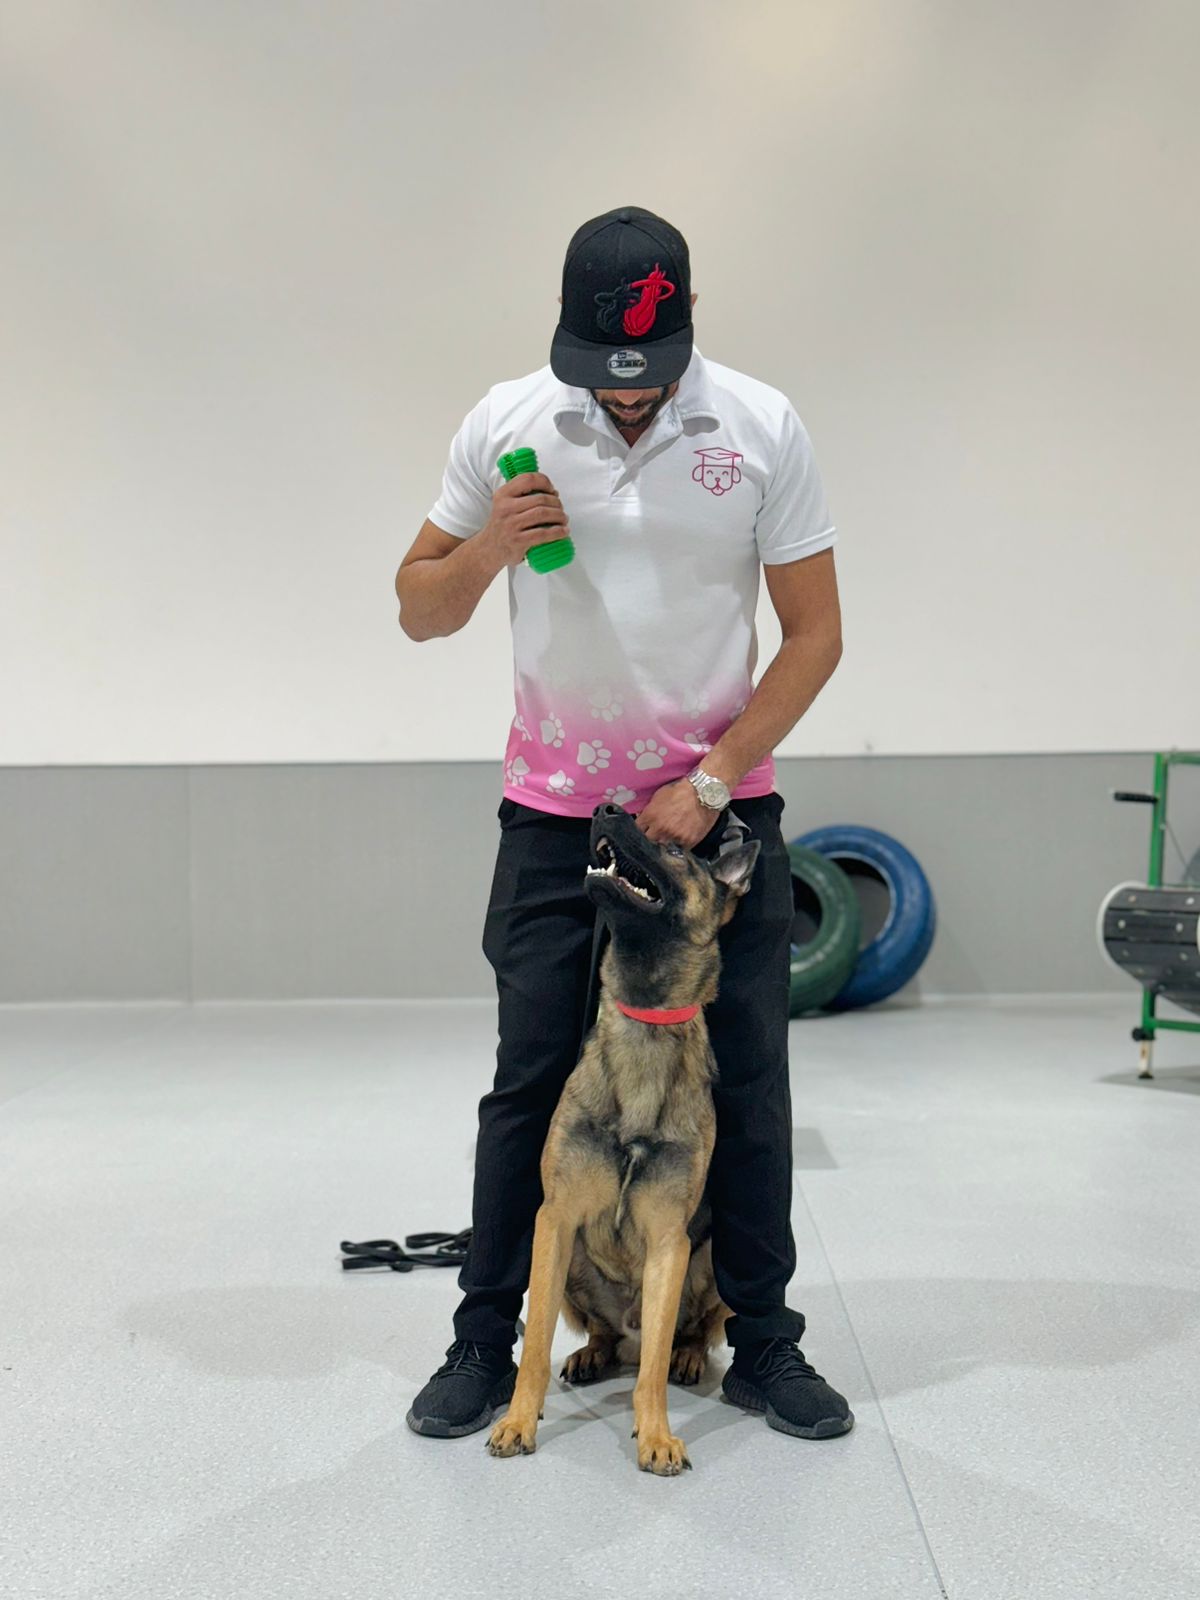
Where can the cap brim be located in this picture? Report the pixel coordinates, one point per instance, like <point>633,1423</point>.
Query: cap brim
<point>585,364</point>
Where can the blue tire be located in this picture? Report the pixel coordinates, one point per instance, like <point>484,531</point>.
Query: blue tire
<point>898,950</point>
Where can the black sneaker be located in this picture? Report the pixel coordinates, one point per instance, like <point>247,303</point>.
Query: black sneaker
<point>465,1391</point>
<point>773,1376</point>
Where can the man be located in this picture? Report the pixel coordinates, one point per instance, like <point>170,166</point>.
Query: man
<point>634,683</point>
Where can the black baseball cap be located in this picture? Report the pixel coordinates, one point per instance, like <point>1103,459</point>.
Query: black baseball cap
<point>626,320</point>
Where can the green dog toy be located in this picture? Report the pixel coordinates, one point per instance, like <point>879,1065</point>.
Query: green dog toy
<point>553,552</point>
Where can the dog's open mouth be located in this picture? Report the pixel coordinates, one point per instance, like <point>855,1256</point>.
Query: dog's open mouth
<point>625,872</point>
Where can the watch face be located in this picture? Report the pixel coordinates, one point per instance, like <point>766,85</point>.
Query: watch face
<point>714,793</point>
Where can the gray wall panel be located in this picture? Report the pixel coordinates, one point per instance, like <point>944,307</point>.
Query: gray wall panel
<point>94,900</point>
<point>353,881</point>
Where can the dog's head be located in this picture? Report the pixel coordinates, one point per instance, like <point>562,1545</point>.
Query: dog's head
<point>655,893</point>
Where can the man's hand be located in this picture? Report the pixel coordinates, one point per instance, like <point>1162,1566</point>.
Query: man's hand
<point>676,812</point>
<point>525,511</point>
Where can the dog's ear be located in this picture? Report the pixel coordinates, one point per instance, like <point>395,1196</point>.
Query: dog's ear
<point>734,865</point>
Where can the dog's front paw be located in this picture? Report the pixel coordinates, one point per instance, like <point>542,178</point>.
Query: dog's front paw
<point>588,1364</point>
<point>513,1437</point>
<point>687,1363</point>
<point>663,1454</point>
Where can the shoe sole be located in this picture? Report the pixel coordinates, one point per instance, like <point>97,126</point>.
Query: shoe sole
<point>438,1428</point>
<point>745,1394</point>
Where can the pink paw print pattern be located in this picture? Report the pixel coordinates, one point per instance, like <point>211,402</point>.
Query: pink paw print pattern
<point>552,731</point>
<point>593,755</point>
<point>620,795</point>
<point>646,753</point>
<point>517,770</point>
<point>604,703</point>
<point>559,783</point>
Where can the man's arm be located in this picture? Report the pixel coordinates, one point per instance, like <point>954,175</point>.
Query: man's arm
<point>805,596</point>
<point>441,579</point>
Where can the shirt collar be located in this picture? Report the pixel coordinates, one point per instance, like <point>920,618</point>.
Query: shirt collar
<point>695,396</point>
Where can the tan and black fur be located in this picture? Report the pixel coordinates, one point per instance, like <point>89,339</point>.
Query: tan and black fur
<point>622,1239</point>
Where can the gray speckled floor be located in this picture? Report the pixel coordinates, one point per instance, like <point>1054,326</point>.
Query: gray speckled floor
<point>998,1255</point>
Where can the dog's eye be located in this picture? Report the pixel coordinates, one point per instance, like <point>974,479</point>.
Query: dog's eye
<point>672,848</point>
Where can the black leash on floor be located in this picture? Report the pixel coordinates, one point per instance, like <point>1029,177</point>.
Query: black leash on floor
<point>451,1251</point>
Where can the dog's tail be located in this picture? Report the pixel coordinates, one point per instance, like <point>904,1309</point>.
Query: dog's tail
<point>635,1152</point>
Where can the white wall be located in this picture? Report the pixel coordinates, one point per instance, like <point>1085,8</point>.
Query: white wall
<point>260,259</point>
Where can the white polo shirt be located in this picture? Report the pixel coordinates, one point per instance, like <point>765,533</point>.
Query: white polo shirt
<point>631,661</point>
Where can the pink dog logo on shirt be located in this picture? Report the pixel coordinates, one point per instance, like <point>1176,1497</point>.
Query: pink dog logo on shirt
<point>718,470</point>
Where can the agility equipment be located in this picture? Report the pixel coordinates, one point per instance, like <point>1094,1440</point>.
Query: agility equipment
<point>1151,930</point>
<point>553,552</point>
<point>896,953</point>
<point>822,964</point>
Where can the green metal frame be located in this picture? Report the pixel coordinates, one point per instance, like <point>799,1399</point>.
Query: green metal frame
<point>1164,760</point>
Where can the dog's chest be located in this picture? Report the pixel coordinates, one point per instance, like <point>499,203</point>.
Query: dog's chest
<point>639,1110</point>
<point>653,1086</point>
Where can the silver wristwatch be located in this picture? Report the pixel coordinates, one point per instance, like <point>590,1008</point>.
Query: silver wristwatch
<point>712,791</point>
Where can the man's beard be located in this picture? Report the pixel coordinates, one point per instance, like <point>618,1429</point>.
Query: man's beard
<point>642,418</point>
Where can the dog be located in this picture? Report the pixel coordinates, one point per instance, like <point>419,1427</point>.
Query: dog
<point>622,1239</point>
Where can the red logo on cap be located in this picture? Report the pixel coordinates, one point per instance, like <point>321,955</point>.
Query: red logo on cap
<point>639,319</point>
<point>639,312</point>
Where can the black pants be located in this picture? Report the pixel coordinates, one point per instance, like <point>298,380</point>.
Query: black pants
<point>544,938</point>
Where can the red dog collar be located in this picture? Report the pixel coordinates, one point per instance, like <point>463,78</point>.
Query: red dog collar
<point>680,1014</point>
